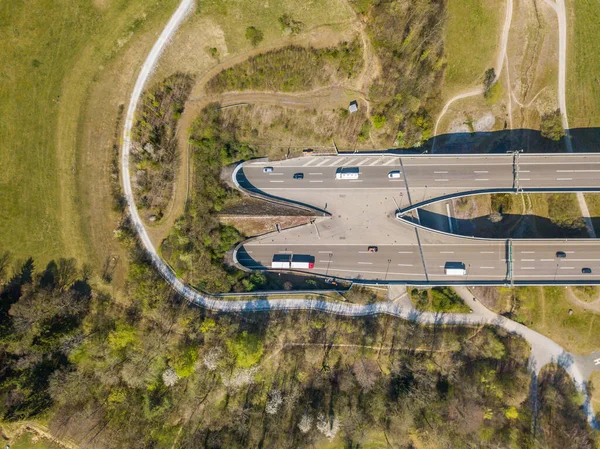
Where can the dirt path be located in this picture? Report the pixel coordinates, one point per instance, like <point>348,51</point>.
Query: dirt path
<point>593,306</point>
<point>499,64</point>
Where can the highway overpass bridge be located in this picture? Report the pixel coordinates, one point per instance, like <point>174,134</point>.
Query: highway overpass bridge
<point>362,212</point>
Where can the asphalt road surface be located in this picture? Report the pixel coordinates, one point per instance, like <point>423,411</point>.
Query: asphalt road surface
<point>426,177</point>
<point>358,219</point>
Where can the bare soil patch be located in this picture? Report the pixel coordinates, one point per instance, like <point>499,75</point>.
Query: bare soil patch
<point>251,226</point>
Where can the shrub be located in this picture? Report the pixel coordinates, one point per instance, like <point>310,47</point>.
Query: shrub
<point>551,125</point>
<point>254,35</point>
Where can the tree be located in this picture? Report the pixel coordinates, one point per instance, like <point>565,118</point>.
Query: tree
<point>254,35</point>
<point>551,125</point>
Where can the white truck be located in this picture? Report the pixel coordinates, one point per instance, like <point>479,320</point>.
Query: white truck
<point>347,173</point>
<point>455,269</point>
<point>287,261</point>
<point>282,261</point>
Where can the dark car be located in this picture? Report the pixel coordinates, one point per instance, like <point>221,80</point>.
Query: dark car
<point>372,249</point>
<point>586,270</point>
<point>299,176</point>
<point>560,254</point>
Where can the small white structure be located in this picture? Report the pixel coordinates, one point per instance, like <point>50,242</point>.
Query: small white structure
<point>353,106</point>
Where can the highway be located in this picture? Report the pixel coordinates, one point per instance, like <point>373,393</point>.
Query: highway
<point>362,214</point>
<point>426,177</point>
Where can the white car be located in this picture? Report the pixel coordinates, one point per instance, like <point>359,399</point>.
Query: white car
<point>394,174</point>
<point>268,170</point>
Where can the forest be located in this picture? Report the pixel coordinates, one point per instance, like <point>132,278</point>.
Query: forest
<point>151,371</point>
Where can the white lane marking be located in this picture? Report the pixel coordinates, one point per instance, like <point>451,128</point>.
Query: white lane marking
<point>597,362</point>
<point>316,180</point>
<point>527,268</point>
<point>276,181</point>
<point>363,252</point>
<point>374,162</point>
<point>324,261</point>
<point>405,252</point>
<point>546,260</point>
<point>396,180</point>
<point>488,268</point>
<point>365,263</point>
<point>350,161</point>
<point>482,179</point>
<point>312,174</point>
<point>487,252</point>
<point>405,265</point>
<point>440,180</point>
<point>275,174</point>
<point>390,161</point>
<point>310,162</point>
<point>524,171</point>
<point>577,171</point>
<point>446,252</point>
<point>567,268</point>
<point>480,171</point>
<point>524,179</point>
<point>564,179</point>
<point>321,163</point>
<point>527,252</point>
<point>249,252</point>
<point>527,260</point>
<point>439,172</point>
<point>584,260</point>
<point>362,162</point>
<point>325,252</point>
<point>356,180</point>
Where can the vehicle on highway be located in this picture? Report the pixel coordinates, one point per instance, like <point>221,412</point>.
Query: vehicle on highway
<point>268,170</point>
<point>287,261</point>
<point>372,249</point>
<point>455,269</point>
<point>394,174</point>
<point>586,270</point>
<point>282,261</point>
<point>299,176</point>
<point>561,254</point>
<point>347,173</point>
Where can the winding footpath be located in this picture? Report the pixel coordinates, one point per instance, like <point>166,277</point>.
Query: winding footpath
<point>543,349</point>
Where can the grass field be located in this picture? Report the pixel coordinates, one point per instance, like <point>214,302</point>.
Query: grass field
<point>31,441</point>
<point>583,63</point>
<point>546,310</point>
<point>55,54</point>
<point>472,35</point>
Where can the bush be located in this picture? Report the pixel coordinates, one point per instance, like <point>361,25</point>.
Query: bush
<point>551,125</point>
<point>379,121</point>
<point>254,35</point>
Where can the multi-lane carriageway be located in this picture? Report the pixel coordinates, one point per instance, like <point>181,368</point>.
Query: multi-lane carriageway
<point>363,214</point>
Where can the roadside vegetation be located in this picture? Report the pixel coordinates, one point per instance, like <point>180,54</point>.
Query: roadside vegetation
<point>277,129</point>
<point>438,299</point>
<point>291,69</point>
<point>154,372</point>
<point>408,40</point>
<point>154,147</point>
